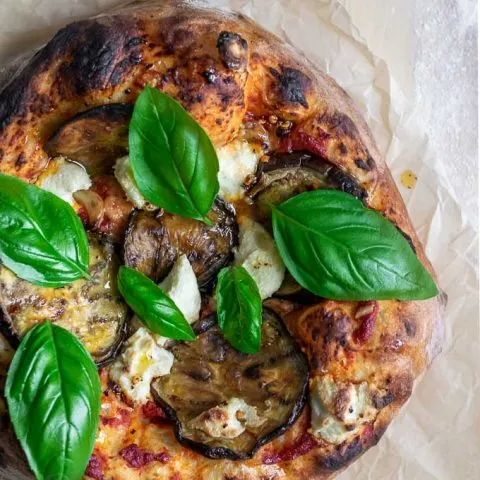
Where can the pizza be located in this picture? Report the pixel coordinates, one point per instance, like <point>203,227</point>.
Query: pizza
<point>327,374</point>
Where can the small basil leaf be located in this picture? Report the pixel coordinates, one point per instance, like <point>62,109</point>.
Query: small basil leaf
<point>239,309</point>
<point>152,305</point>
<point>173,161</point>
<point>42,239</point>
<point>53,395</point>
<point>339,249</point>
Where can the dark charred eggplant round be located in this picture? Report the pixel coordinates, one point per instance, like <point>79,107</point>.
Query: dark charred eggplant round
<point>226,404</point>
<point>153,242</point>
<point>95,138</point>
<point>92,310</point>
<point>288,174</point>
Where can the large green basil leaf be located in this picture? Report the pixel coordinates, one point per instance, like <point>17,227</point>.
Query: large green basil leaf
<point>42,239</point>
<point>53,395</point>
<point>152,305</point>
<point>339,249</point>
<point>239,309</point>
<point>173,161</point>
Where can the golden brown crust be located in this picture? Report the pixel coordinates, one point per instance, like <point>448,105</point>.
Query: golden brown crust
<point>223,79</point>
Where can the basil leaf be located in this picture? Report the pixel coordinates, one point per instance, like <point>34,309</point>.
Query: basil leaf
<point>173,161</point>
<point>42,239</point>
<point>53,395</point>
<point>336,248</point>
<point>152,305</point>
<point>239,309</point>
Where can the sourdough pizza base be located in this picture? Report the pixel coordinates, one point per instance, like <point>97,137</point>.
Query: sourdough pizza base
<point>250,74</point>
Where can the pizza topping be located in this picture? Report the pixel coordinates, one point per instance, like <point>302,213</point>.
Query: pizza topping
<point>137,458</point>
<point>154,242</point>
<point>228,420</point>
<point>258,254</point>
<point>182,287</point>
<point>95,468</point>
<point>64,178</point>
<point>92,310</point>
<point>258,396</point>
<point>142,360</point>
<point>366,315</point>
<point>124,175</point>
<point>233,50</point>
<point>237,161</point>
<point>339,409</point>
<point>288,174</point>
<point>94,138</point>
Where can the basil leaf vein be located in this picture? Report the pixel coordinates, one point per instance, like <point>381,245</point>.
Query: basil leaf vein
<point>53,394</point>
<point>42,239</point>
<point>339,249</point>
<point>239,309</point>
<point>152,305</point>
<point>174,162</point>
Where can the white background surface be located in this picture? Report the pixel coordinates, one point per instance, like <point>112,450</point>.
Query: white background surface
<point>411,66</point>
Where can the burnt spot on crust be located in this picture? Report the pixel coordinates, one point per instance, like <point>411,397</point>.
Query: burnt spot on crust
<point>408,238</point>
<point>381,401</point>
<point>410,327</point>
<point>342,124</point>
<point>101,54</point>
<point>367,165</point>
<point>233,50</point>
<point>20,161</point>
<point>342,455</point>
<point>291,85</point>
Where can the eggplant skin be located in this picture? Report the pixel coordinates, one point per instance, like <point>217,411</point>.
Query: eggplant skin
<point>209,372</point>
<point>92,310</point>
<point>288,174</point>
<point>153,242</point>
<point>95,138</point>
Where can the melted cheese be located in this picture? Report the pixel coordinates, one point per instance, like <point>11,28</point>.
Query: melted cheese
<point>237,161</point>
<point>64,178</point>
<point>339,410</point>
<point>227,420</point>
<point>182,287</point>
<point>142,360</point>
<point>258,254</point>
<point>124,175</point>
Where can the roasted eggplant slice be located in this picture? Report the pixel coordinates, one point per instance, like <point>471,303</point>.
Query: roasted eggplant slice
<point>95,138</point>
<point>226,404</point>
<point>288,174</point>
<point>92,310</point>
<point>153,242</point>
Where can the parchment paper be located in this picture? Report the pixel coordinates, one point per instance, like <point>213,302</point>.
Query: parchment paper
<point>411,67</point>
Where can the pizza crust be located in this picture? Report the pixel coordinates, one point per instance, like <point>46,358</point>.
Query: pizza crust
<point>222,79</point>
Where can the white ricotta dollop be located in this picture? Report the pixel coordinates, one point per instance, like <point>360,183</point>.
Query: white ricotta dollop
<point>228,420</point>
<point>142,360</point>
<point>258,254</point>
<point>124,175</point>
<point>236,161</point>
<point>182,287</point>
<point>339,410</point>
<point>64,178</point>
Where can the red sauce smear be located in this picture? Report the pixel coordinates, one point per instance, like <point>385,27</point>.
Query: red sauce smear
<point>302,446</point>
<point>299,140</point>
<point>367,321</point>
<point>136,457</point>
<point>95,468</point>
<point>153,412</point>
<point>122,418</point>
